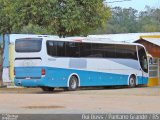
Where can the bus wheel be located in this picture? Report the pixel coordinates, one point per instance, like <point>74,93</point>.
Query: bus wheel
<point>132,81</point>
<point>73,83</point>
<point>47,89</point>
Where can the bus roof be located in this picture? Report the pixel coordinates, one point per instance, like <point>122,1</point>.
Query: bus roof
<point>88,39</point>
<point>13,37</point>
<point>91,40</point>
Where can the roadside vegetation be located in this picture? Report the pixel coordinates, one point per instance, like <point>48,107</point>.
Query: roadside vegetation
<point>131,21</point>
<point>60,17</point>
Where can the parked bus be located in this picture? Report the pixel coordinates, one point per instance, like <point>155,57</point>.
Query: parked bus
<point>71,63</point>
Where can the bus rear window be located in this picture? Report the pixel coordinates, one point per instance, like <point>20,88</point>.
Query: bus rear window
<point>28,45</point>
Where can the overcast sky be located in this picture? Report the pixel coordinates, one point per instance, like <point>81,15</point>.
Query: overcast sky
<point>136,4</point>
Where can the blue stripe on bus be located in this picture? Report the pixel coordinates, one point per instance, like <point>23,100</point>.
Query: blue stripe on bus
<point>58,77</point>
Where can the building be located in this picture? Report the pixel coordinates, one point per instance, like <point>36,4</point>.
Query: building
<point>152,45</point>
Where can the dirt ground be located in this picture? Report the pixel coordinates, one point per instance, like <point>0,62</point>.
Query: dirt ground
<point>88,100</point>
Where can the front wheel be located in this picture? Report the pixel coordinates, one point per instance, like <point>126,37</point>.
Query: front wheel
<point>73,83</point>
<point>132,82</point>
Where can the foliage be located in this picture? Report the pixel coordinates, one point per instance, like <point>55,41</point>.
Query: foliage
<point>34,29</point>
<point>124,20</point>
<point>130,21</point>
<point>149,20</point>
<point>74,17</point>
<point>5,24</point>
<point>62,17</point>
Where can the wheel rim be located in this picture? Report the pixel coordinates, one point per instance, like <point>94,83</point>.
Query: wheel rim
<point>73,83</point>
<point>132,82</point>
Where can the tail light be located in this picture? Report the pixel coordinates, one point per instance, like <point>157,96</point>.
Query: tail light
<point>43,72</point>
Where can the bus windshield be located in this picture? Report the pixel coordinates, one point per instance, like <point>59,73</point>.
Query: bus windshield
<point>28,45</point>
<point>143,59</point>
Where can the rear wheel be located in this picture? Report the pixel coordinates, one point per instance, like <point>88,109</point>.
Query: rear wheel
<point>73,83</point>
<point>47,89</point>
<point>132,81</point>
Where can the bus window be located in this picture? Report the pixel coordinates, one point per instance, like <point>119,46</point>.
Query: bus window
<point>97,51</point>
<point>72,49</point>
<point>109,51</point>
<point>126,52</point>
<point>28,45</point>
<point>85,49</point>
<point>51,48</point>
<point>56,48</point>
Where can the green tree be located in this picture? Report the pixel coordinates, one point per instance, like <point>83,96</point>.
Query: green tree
<point>34,29</point>
<point>5,23</point>
<point>62,17</point>
<point>149,20</point>
<point>130,21</point>
<point>5,27</point>
<point>122,21</point>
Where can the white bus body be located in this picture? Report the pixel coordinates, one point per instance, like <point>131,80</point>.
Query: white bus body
<point>70,63</point>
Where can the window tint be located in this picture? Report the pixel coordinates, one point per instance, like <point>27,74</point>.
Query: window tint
<point>51,48</point>
<point>60,48</point>
<point>85,49</point>
<point>109,51</point>
<point>97,50</point>
<point>28,45</point>
<point>126,51</point>
<point>74,49</point>
<point>56,48</point>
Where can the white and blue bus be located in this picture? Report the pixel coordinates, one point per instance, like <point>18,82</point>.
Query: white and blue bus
<point>70,63</point>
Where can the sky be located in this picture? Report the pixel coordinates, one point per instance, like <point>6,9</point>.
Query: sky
<point>136,4</point>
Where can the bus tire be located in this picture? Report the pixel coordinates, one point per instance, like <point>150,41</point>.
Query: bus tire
<point>73,83</point>
<point>47,89</point>
<point>132,81</point>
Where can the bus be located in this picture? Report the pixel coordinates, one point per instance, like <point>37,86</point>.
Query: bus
<point>70,63</point>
